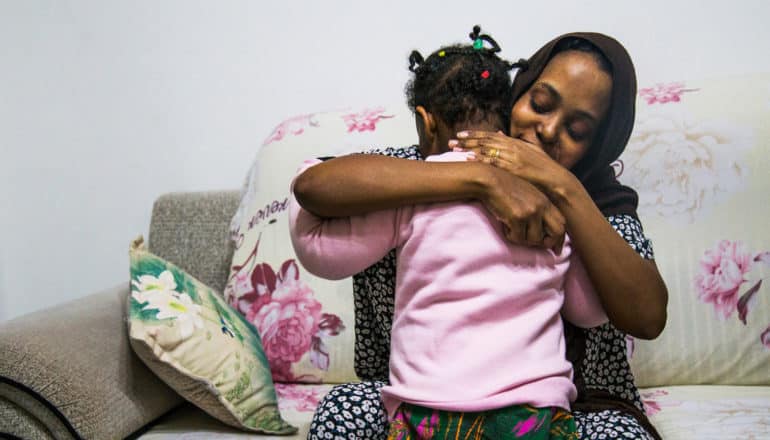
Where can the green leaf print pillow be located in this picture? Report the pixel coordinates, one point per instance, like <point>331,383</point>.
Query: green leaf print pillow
<point>199,346</point>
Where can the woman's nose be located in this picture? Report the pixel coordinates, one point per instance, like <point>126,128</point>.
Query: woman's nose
<point>548,130</point>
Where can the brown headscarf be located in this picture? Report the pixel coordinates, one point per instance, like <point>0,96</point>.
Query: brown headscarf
<point>598,177</point>
<point>594,169</point>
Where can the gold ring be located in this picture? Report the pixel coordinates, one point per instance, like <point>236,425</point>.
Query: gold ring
<point>494,153</point>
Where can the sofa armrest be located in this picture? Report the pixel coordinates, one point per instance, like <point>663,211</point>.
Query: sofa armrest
<point>71,369</point>
<point>192,230</point>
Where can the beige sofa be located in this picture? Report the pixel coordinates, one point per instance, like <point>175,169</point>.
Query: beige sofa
<point>700,164</point>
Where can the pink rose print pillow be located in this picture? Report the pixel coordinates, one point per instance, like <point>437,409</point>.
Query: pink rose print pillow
<point>698,158</point>
<point>306,323</point>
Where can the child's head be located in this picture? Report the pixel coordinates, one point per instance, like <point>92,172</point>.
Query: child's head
<point>458,87</point>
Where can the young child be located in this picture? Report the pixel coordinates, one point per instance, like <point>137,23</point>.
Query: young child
<point>477,343</point>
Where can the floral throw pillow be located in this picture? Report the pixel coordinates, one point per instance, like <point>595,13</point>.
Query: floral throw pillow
<point>306,323</point>
<point>187,335</point>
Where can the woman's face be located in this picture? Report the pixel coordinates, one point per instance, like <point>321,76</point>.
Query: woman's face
<point>563,109</point>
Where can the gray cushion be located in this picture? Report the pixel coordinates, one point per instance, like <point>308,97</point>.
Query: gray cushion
<point>191,230</point>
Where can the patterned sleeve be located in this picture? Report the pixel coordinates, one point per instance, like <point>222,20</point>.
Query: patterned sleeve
<point>412,152</point>
<point>631,230</point>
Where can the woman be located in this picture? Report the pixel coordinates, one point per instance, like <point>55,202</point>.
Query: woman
<point>572,114</point>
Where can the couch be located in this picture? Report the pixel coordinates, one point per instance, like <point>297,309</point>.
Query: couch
<point>699,162</point>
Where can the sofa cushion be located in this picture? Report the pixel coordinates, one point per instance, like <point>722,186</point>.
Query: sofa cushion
<point>297,403</point>
<point>679,413</point>
<point>699,156</point>
<point>199,346</point>
<point>709,412</point>
<point>306,323</point>
<point>191,230</point>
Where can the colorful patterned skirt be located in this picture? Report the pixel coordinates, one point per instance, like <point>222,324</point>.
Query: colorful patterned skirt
<point>517,422</point>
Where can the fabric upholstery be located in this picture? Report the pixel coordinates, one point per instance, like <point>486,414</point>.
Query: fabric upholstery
<point>191,231</point>
<point>18,422</point>
<point>265,276</point>
<point>699,158</point>
<point>77,358</point>
<point>296,401</point>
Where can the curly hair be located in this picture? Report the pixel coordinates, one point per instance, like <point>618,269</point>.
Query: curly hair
<point>462,83</point>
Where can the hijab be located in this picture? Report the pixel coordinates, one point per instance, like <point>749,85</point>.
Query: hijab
<point>594,170</point>
<point>598,177</point>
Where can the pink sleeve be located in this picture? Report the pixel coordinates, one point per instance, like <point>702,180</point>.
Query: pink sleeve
<point>581,303</point>
<point>337,248</point>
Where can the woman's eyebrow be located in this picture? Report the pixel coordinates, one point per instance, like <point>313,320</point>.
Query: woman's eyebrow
<point>587,115</point>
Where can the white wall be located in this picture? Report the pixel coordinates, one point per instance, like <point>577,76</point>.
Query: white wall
<point>104,105</point>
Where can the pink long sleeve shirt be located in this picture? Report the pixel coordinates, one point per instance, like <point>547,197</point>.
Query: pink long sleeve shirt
<point>477,322</point>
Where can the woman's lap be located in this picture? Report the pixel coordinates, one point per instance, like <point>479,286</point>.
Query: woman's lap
<point>354,411</point>
<point>351,411</point>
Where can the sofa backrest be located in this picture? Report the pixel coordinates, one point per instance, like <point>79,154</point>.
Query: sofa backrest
<point>191,231</point>
<point>698,158</point>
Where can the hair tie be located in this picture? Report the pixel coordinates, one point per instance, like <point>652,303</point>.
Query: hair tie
<point>522,65</point>
<point>415,61</point>
<point>479,39</point>
<point>485,74</point>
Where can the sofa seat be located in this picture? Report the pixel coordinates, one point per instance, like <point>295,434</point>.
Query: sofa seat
<point>707,412</point>
<point>679,412</point>
<point>297,403</point>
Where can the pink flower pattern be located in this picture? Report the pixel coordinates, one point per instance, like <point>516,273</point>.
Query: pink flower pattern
<point>286,314</point>
<point>301,398</point>
<point>293,126</point>
<point>365,120</point>
<point>653,406</point>
<point>723,272</point>
<point>664,93</point>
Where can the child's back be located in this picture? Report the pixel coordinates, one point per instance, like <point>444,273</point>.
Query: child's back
<point>477,320</point>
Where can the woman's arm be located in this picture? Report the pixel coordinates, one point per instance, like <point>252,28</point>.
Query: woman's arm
<point>630,287</point>
<point>358,184</point>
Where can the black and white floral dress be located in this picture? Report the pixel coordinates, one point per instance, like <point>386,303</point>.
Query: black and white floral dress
<point>355,411</point>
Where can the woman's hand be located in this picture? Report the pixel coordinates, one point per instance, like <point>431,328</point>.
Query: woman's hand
<point>525,160</point>
<point>528,216</point>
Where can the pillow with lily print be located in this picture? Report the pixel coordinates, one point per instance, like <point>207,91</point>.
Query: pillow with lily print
<point>188,336</point>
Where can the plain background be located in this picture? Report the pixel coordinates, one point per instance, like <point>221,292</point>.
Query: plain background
<point>106,105</point>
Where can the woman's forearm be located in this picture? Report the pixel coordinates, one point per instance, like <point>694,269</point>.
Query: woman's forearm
<point>362,183</point>
<point>630,287</point>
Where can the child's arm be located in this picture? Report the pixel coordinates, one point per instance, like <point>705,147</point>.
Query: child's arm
<point>582,306</point>
<point>336,248</point>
